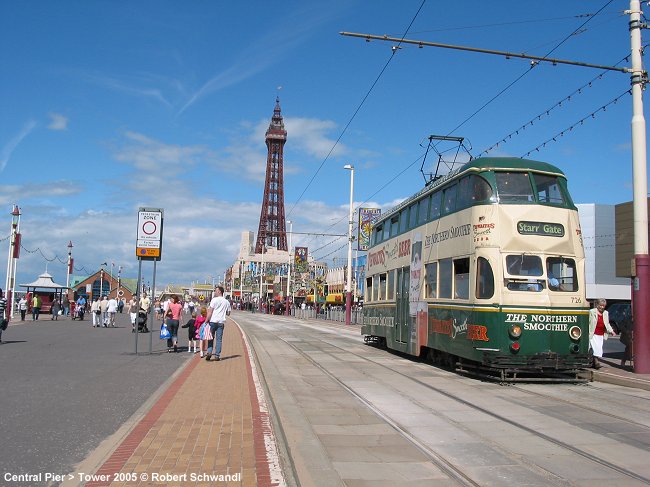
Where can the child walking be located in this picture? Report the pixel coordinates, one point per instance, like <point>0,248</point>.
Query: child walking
<point>204,331</point>
<point>191,333</point>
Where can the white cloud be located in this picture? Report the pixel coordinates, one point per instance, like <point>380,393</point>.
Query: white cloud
<point>57,121</point>
<point>9,147</point>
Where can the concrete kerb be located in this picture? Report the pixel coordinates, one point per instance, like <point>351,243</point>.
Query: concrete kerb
<point>105,449</point>
<point>276,452</point>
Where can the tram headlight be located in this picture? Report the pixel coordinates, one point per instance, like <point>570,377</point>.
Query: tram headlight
<point>515,331</point>
<point>575,333</point>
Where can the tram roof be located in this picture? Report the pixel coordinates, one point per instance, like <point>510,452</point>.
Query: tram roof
<point>479,164</point>
<point>510,163</point>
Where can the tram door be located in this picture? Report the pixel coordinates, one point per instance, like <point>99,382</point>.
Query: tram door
<point>402,311</point>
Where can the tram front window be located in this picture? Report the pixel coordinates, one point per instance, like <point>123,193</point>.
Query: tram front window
<point>514,187</point>
<point>562,275</point>
<point>526,272</point>
<point>549,190</point>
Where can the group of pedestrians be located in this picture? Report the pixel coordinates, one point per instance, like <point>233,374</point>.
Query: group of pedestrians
<point>204,329</point>
<point>104,312</point>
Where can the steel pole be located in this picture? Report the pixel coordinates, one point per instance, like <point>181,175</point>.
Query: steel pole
<point>641,290</point>
<point>261,275</point>
<point>286,309</point>
<point>348,297</point>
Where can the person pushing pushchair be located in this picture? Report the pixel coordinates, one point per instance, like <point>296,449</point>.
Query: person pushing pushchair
<point>142,321</point>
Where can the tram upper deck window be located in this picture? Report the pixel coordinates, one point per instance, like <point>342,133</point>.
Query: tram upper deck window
<point>527,273</point>
<point>450,198</point>
<point>376,234</point>
<point>472,190</point>
<point>413,214</point>
<point>386,234</point>
<point>562,275</point>
<point>394,225</point>
<point>423,210</point>
<point>549,190</point>
<point>514,187</point>
<point>436,203</point>
<point>404,220</point>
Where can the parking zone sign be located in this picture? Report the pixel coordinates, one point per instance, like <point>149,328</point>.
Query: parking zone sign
<point>149,241</point>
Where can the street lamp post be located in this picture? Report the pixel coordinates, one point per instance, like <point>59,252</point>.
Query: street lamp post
<point>67,279</point>
<point>261,275</point>
<point>348,297</point>
<point>14,248</point>
<point>286,310</point>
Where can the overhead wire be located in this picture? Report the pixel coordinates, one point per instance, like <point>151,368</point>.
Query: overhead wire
<point>516,80</point>
<point>547,112</point>
<point>476,112</point>
<point>356,111</point>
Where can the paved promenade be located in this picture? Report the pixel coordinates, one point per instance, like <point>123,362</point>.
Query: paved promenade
<point>209,425</point>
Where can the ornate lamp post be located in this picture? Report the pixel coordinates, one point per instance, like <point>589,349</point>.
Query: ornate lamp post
<point>14,252</point>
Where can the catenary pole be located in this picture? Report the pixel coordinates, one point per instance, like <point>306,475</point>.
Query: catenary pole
<point>287,312</point>
<point>348,295</point>
<point>641,287</point>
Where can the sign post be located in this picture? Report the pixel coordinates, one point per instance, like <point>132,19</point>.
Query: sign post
<point>148,247</point>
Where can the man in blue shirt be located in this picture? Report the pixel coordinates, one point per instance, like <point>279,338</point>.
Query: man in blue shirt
<point>81,307</point>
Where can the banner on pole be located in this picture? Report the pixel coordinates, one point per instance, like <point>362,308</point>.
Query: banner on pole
<point>300,260</point>
<point>367,218</point>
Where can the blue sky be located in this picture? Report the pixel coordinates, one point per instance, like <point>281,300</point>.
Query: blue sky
<point>108,106</point>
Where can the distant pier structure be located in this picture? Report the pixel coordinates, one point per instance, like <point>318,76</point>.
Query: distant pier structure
<point>272,230</point>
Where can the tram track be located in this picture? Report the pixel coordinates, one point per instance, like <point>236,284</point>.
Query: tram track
<point>443,463</point>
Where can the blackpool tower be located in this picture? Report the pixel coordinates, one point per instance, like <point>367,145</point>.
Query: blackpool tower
<point>272,231</point>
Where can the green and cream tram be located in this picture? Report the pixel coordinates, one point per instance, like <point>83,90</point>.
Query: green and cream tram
<point>483,270</point>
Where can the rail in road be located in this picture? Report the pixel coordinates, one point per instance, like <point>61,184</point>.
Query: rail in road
<point>349,412</point>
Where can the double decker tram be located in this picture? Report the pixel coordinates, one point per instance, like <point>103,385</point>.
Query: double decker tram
<point>483,270</point>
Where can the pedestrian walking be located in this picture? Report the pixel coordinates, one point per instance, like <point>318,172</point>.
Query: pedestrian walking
<point>132,309</point>
<point>37,302</point>
<point>191,333</point>
<point>4,314</point>
<point>22,307</point>
<point>96,313</point>
<point>54,310</point>
<point>80,309</point>
<point>103,306</point>
<point>218,310</point>
<point>173,317</point>
<point>205,332</point>
<point>111,310</point>
<point>145,303</point>
<point>599,330</point>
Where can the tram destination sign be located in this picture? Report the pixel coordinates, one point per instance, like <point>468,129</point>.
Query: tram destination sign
<point>149,235</point>
<point>540,228</point>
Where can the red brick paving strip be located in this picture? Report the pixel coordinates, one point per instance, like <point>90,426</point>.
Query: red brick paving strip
<point>211,423</point>
<point>123,452</point>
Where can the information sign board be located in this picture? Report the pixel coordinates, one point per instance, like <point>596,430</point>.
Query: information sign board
<point>149,235</point>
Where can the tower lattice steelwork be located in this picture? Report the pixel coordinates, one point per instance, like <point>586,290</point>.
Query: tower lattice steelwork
<point>272,231</point>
